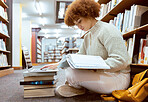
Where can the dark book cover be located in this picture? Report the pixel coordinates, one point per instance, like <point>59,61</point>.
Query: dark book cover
<point>42,82</point>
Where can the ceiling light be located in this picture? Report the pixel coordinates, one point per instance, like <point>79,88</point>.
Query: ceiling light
<point>38,7</point>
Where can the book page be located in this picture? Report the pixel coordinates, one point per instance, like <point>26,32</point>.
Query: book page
<point>87,61</point>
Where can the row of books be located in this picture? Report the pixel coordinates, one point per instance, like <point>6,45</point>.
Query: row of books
<point>3,60</point>
<point>3,28</point>
<point>105,8</point>
<point>54,51</point>
<point>143,51</point>
<point>68,43</point>
<point>39,84</point>
<point>26,56</point>
<point>38,46</point>
<point>2,45</point>
<point>53,54</point>
<point>39,51</point>
<point>54,60</point>
<point>54,48</point>
<point>130,46</point>
<point>130,19</point>
<point>38,42</point>
<point>39,60</point>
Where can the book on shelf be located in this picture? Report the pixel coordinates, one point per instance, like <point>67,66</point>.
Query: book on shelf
<point>2,45</point>
<point>43,92</point>
<point>143,52</point>
<point>130,46</point>
<point>86,62</point>
<point>3,60</point>
<point>138,10</point>
<point>130,19</point>
<point>126,21</point>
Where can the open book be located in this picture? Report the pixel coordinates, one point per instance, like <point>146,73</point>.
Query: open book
<point>86,62</point>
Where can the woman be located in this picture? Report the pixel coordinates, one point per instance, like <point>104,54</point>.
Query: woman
<point>103,40</point>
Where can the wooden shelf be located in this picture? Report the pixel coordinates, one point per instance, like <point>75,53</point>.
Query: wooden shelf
<point>73,49</point>
<point>4,51</point>
<point>6,72</point>
<point>3,4</point>
<point>103,1</point>
<point>39,53</point>
<point>4,36</point>
<point>38,48</point>
<point>3,20</point>
<point>5,66</point>
<point>39,44</point>
<point>136,31</point>
<point>140,65</point>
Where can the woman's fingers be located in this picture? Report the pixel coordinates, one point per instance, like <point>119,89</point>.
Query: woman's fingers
<point>50,66</point>
<point>46,66</point>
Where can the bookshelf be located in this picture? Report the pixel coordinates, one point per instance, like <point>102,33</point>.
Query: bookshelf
<point>54,54</point>
<point>5,38</point>
<point>26,61</point>
<point>120,7</point>
<point>73,50</point>
<point>139,32</point>
<point>39,51</point>
<point>68,45</point>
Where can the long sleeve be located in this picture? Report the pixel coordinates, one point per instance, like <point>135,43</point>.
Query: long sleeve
<point>82,49</point>
<point>63,63</point>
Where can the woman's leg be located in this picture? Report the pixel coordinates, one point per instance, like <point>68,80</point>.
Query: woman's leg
<point>97,82</point>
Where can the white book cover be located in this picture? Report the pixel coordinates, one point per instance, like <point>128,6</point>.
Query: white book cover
<point>86,62</point>
<point>131,47</point>
<point>138,11</point>
<point>131,18</point>
<point>126,20</point>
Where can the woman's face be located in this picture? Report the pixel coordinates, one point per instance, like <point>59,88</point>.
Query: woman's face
<point>84,23</point>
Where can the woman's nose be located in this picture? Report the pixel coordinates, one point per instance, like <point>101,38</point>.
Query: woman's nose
<point>79,26</point>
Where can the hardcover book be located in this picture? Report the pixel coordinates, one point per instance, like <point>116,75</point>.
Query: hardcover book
<point>41,82</point>
<point>45,92</point>
<point>86,62</point>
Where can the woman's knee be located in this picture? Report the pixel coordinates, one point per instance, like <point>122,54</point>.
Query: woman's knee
<point>71,73</point>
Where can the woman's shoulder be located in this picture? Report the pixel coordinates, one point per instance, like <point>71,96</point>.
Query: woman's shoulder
<point>108,30</point>
<point>107,26</point>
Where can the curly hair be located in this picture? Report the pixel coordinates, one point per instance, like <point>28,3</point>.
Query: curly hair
<point>81,8</point>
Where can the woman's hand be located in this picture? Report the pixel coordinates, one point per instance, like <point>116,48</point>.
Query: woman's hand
<point>50,66</point>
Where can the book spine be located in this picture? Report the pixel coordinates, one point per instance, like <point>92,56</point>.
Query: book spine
<point>37,82</point>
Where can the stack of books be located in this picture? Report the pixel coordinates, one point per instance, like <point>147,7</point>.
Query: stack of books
<point>39,84</point>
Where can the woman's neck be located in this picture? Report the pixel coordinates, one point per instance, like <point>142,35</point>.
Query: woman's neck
<point>93,22</point>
